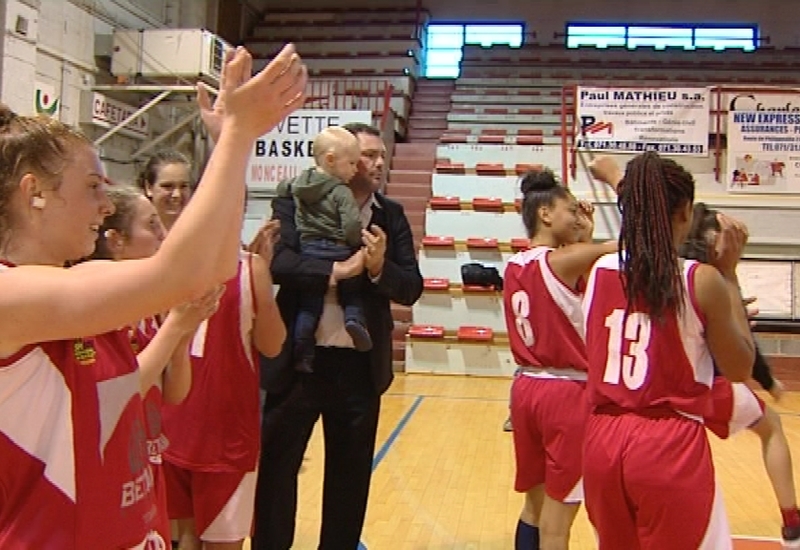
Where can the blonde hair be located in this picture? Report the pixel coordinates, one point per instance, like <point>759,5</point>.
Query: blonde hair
<point>39,145</point>
<point>332,139</point>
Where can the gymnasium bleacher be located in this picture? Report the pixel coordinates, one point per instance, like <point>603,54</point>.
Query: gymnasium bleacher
<point>353,56</point>
<point>463,144</point>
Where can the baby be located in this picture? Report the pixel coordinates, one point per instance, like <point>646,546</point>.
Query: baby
<point>328,221</point>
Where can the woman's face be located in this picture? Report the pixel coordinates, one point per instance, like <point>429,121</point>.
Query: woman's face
<point>145,235</point>
<point>563,220</point>
<point>73,212</point>
<point>171,191</point>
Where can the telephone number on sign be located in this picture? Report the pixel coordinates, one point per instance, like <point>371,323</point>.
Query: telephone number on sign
<point>640,147</point>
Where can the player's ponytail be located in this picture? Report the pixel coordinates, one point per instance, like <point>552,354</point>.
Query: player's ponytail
<point>654,189</point>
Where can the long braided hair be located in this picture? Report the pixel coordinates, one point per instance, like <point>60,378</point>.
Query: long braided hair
<point>652,190</point>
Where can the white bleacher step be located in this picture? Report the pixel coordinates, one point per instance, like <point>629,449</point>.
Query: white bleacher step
<point>449,355</point>
<point>450,308</point>
<point>510,156</point>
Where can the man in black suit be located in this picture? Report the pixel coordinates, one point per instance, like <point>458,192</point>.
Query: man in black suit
<point>345,386</point>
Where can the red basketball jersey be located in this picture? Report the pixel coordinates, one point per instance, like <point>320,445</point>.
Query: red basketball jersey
<point>216,428</point>
<point>75,472</point>
<point>637,363</point>
<point>543,315</point>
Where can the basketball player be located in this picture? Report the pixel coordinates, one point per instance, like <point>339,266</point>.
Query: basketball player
<point>541,294</point>
<point>655,325</point>
<point>134,231</point>
<point>75,473</point>
<point>736,407</point>
<point>166,181</point>
<point>214,433</point>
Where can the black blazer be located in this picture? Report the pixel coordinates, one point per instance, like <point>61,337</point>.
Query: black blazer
<point>400,282</point>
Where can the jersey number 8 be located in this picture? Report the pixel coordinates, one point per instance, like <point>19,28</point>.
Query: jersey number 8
<point>521,306</point>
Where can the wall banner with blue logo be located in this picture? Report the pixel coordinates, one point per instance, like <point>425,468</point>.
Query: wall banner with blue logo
<point>669,121</point>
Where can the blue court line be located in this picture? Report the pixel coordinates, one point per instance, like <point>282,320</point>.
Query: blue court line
<point>396,432</point>
<point>391,439</point>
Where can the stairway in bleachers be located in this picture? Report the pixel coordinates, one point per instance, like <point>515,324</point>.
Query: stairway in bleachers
<point>411,172</point>
<point>429,110</point>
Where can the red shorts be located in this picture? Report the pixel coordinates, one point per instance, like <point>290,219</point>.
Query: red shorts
<point>736,408</point>
<point>221,503</point>
<point>549,418</point>
<point>650,484</point>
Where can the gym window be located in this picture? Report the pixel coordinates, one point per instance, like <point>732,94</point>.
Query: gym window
<point>659,37</point>
<point>445,42</point>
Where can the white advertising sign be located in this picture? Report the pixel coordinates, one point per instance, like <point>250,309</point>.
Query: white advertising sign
<point>764,144</point>
<point>286,151</point>
<point>670,121</point>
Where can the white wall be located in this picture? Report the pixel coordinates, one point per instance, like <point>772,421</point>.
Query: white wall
<point>58,54</point>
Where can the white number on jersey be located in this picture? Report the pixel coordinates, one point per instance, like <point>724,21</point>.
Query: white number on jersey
<point>632,365</point>
<point>521,306</point>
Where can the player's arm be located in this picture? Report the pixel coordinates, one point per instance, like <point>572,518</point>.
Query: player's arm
<point>167,354</point>
<point>269,332</point>
<point>727,330</point>
<point>177,377</point>
<point>39,303</point>
<point>574,261</point>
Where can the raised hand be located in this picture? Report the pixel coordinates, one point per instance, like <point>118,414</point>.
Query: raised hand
<point>729,244</point>
<point>585,219</point>
<point>253,106</point>
<point>263,243</point>
<point>187,317</point>
<point>606,169</point>
<point>213,113</point>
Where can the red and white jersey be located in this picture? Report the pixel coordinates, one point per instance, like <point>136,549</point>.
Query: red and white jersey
<point>636,363</point>
<point>543,315</point>
<point>216,427</point>
<point>75,472</point>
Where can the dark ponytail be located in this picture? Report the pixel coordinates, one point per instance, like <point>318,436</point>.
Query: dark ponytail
<point>539,188</point>
<point>654,189</point>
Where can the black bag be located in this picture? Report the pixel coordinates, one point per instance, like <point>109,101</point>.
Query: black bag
<point>481,275</point>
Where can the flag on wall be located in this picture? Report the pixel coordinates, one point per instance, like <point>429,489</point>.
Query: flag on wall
<point>46,100</point>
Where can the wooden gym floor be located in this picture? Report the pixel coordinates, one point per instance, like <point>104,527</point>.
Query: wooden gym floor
<point>444,469</point>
